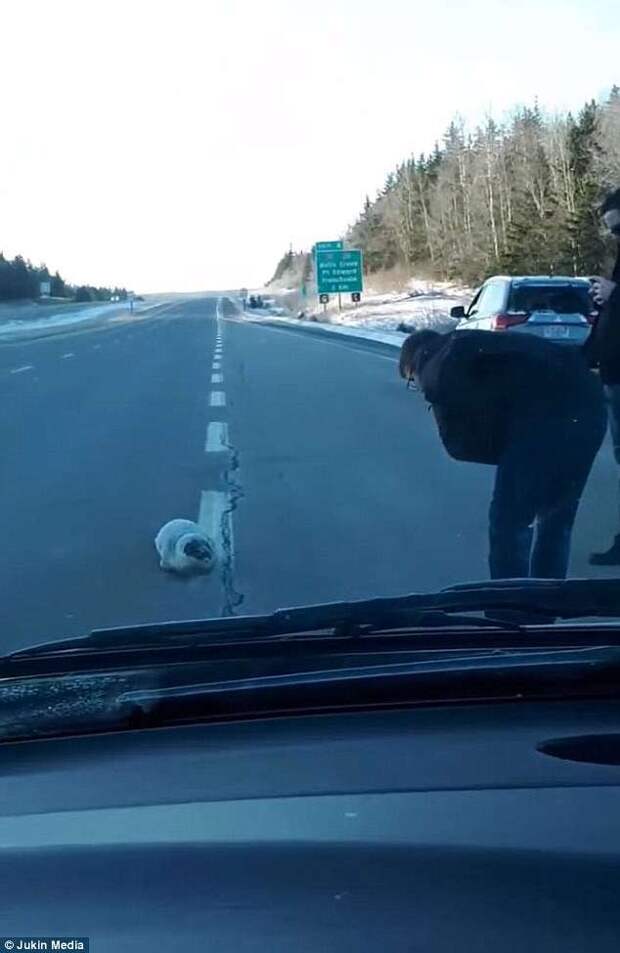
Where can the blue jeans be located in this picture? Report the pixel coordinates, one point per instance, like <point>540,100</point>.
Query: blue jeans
<point>612,393</point>
<point>539,482</point>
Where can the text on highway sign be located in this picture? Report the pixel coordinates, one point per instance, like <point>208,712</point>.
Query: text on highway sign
<point>339,271</point>
<point>327,246</point>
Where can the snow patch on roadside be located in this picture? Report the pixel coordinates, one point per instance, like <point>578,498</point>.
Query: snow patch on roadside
<point>391,311</point>
<point>54,320</point>
<point>386,318</point>
<point>422,305</point>
<point>66,319</point>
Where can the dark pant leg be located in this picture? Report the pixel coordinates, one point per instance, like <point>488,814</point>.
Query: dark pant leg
<point>553,539</point>
<point>612,394</point>
<point>571,455</point>
<point>511,516</point>
<point>541,477</point>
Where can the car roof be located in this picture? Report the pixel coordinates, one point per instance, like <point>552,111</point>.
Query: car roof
<point>540,280</point>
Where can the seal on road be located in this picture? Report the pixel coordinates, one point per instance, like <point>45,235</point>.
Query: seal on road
<point>184,548</point>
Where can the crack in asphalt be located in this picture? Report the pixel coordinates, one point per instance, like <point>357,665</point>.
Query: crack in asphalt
<point>233,599</point>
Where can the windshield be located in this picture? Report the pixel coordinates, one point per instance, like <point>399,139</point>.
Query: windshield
<point>232,239</point>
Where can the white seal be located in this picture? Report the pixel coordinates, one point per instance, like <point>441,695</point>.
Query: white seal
<point>183,547</point>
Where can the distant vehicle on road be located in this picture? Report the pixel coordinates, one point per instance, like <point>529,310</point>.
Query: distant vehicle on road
<point>559,309</point>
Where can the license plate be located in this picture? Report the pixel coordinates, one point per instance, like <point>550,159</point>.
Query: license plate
<point>556,332</point>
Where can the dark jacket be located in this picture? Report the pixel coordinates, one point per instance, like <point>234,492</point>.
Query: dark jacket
<point>482,386</point>
<point>603,345</point>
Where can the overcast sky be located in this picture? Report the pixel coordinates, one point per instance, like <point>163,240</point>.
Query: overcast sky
<point>183,146</point>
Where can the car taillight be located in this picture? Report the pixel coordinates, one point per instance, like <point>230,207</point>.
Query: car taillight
<point>503,321</point>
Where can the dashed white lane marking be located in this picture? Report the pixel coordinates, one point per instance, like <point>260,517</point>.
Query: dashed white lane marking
<point>214,518</point>
<point>96,347</point>
<point>217,437</point>
<point>66,357</point>
<point>20,370</point>
<point>214,515</point>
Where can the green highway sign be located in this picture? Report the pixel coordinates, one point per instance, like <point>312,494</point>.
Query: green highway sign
<point>327,246</point>
<point>339,271</point>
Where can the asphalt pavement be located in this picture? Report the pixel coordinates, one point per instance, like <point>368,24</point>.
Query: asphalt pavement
<point>319,474</point>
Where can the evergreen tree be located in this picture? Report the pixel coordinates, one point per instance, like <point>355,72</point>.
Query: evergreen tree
<point>283,266</point>
<point>585,245</point>
<point>520,197</point>
<point>58,287</point>
<point>20,279</point>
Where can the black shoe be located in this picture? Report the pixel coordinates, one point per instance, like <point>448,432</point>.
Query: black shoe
<point>609,558</point>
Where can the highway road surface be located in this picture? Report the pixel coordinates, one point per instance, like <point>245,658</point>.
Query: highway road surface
<point>319,474</point>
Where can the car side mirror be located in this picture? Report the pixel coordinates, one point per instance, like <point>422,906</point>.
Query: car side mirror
<point>457,312</point>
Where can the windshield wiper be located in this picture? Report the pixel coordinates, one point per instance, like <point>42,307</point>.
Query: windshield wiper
<point>534,601</point>
<point>564,661</point>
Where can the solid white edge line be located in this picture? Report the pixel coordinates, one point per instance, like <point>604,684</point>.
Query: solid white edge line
<point>350,340</point>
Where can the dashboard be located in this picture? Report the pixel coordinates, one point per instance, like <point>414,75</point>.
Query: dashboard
<point>488,827</point>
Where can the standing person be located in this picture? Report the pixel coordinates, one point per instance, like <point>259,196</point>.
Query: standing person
<point>604,346</point>
<point>534,410</point>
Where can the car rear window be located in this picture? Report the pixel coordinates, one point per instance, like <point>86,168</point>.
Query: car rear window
<point>565,299</point>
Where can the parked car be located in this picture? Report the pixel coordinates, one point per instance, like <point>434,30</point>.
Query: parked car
<point>557,308</point>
